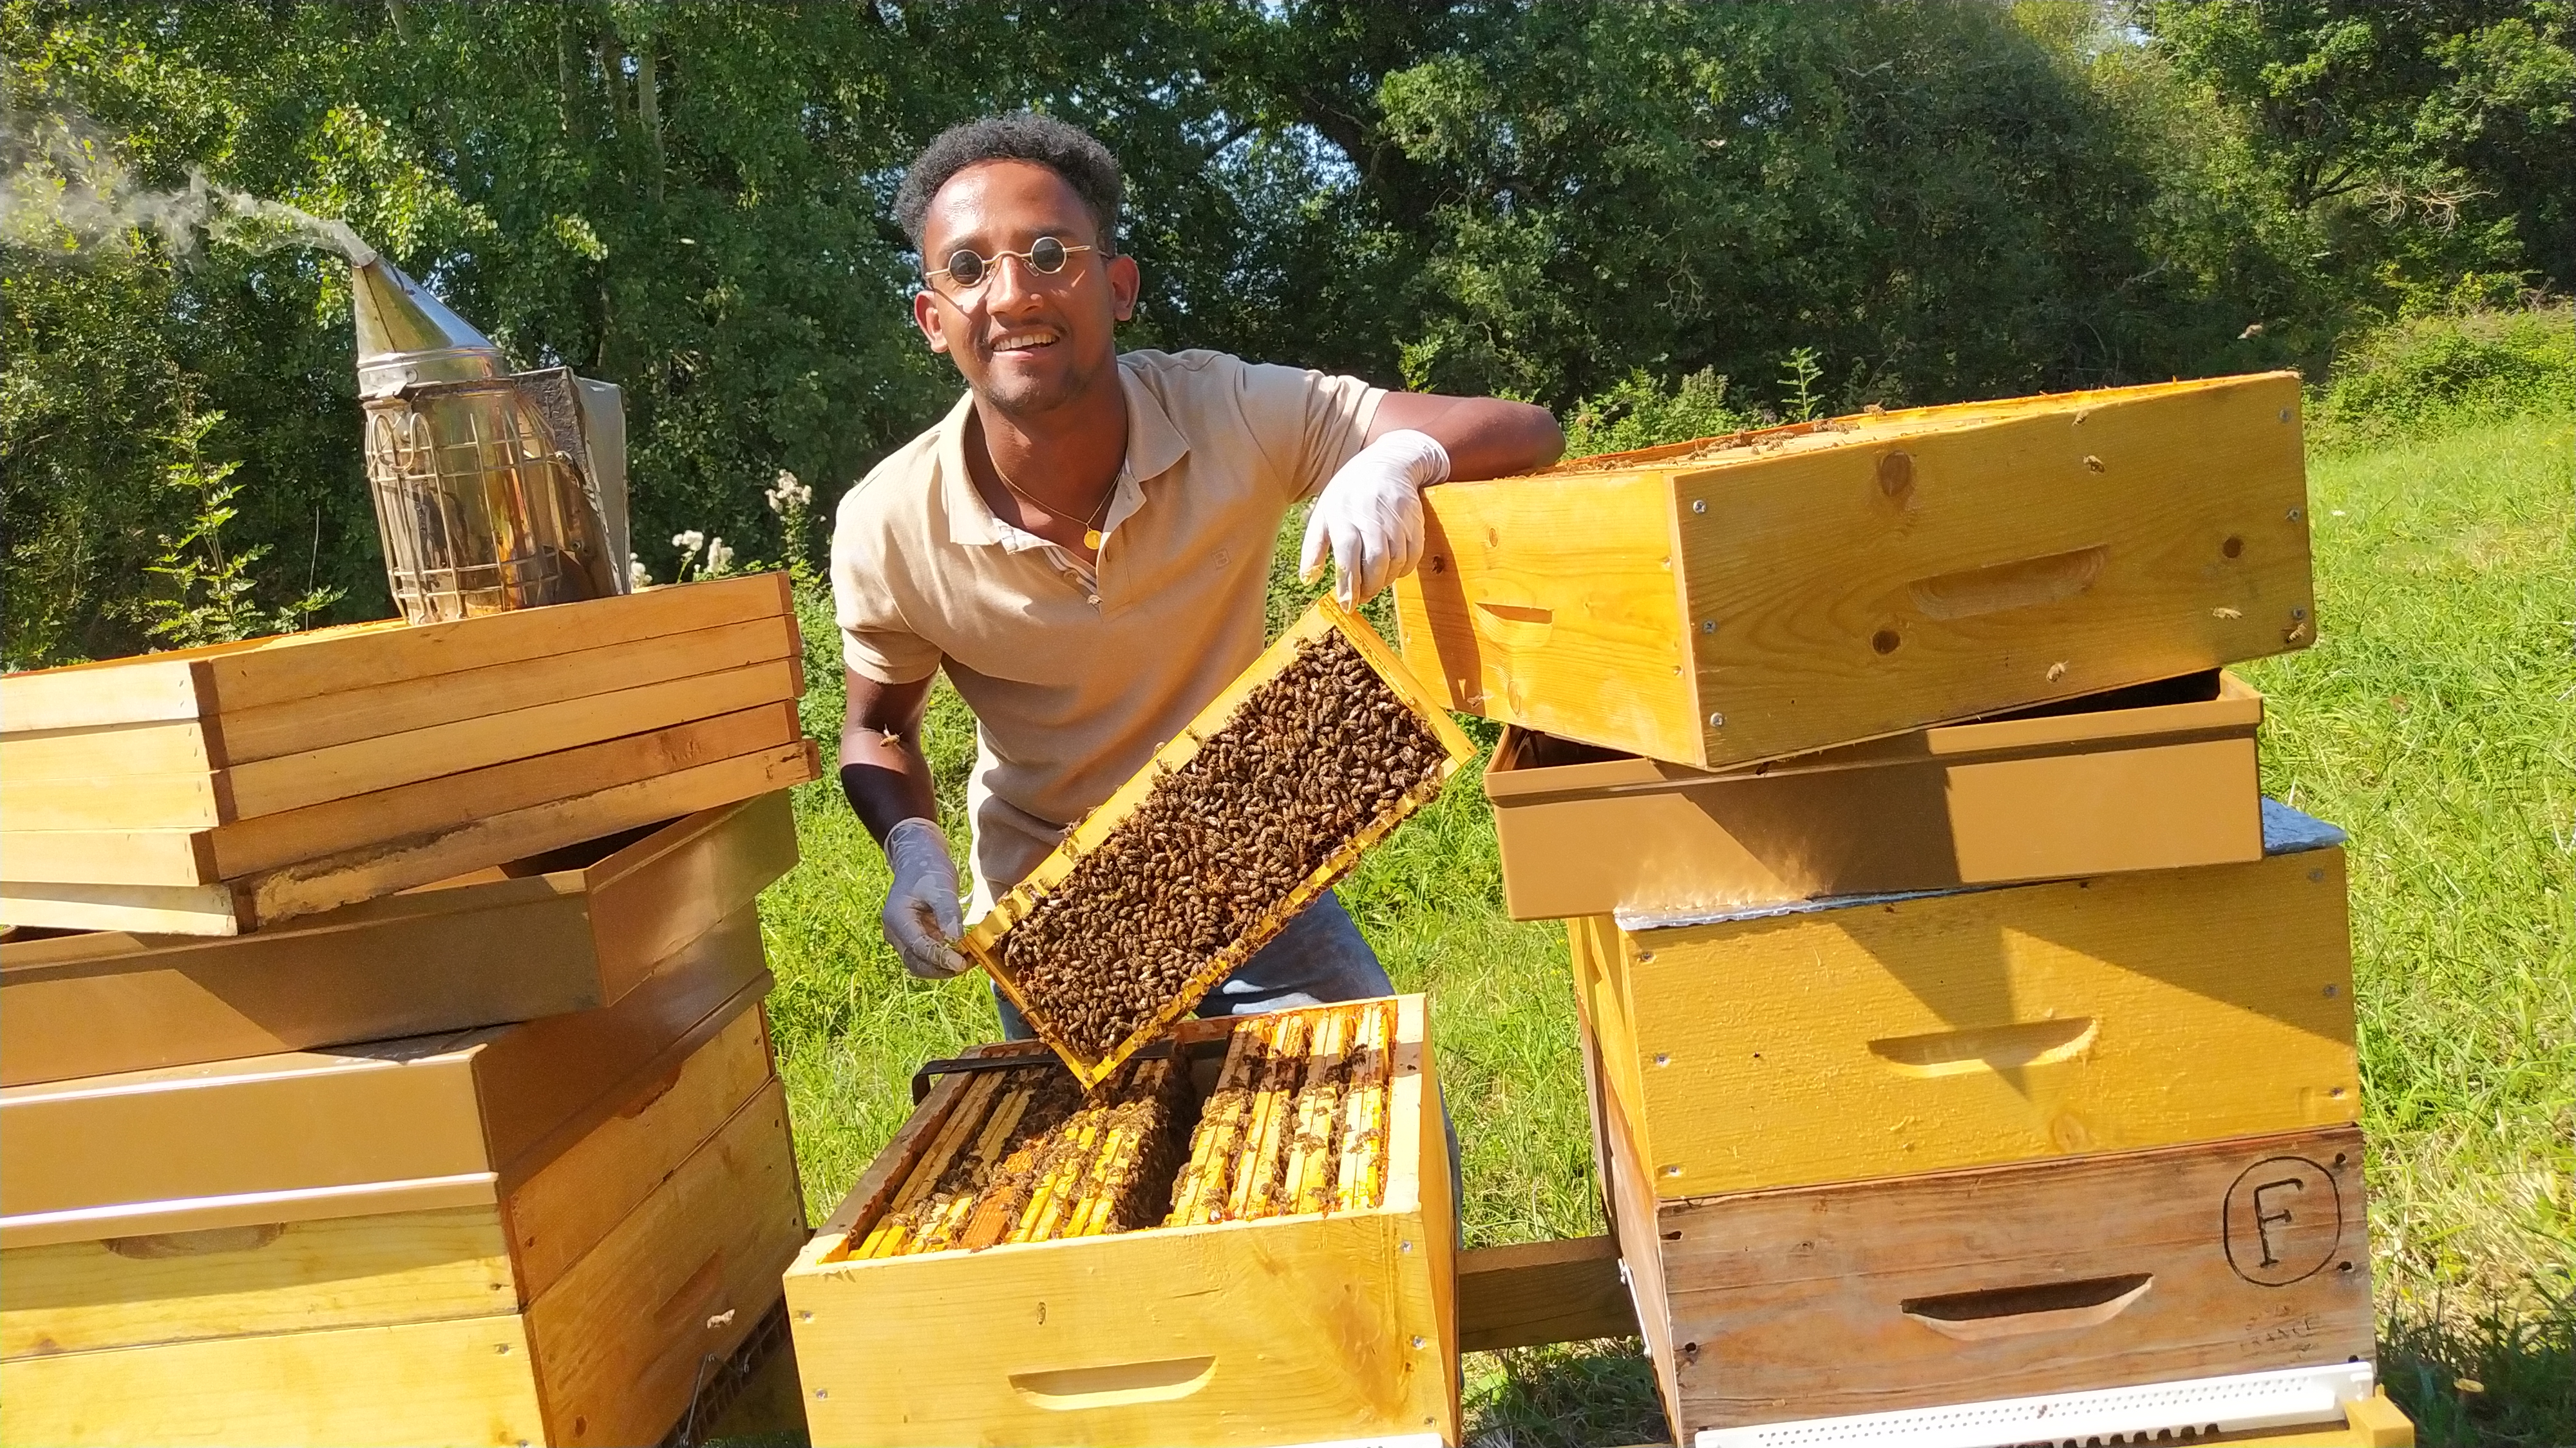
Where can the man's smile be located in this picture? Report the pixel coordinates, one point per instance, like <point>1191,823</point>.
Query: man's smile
<point>1026,339</point>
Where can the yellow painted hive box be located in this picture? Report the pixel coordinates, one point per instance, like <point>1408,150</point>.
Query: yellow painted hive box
<point>573,1303</point>
<point>1302,1326</point>
<point>563,932</point>
<point>217,790</point>
<point>1879,1036</point>
<point>2153,777</point>
<point>1739,599</point>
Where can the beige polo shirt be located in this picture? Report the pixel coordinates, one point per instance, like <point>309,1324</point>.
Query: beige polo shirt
<point>1077,675</point>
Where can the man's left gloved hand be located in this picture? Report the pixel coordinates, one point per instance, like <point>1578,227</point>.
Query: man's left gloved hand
<point>1369,516</point>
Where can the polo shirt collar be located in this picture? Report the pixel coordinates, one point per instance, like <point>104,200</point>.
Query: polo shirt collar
<point>1154,446</point>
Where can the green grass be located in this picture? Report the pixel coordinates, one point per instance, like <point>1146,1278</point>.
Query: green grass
<point>2435,719</point>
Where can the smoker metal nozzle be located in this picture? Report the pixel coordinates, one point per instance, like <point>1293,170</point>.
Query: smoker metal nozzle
<point>407,335</point>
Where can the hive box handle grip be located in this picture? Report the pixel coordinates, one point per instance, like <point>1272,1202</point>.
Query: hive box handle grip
<point>1994,1312</point>
<point>1114,1385</point>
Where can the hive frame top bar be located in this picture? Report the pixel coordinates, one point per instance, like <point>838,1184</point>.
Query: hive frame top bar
<point>984,938</point>
<point>1867,427</point>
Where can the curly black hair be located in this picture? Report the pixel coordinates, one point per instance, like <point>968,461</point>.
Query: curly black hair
<point>1069,151</point>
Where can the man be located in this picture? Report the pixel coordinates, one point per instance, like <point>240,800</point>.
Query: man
<point>1084,541</point>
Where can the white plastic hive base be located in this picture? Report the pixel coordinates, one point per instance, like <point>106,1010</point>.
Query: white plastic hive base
<point>2290,1397</point>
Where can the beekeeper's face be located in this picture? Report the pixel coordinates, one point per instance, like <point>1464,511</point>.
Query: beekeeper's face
<point>1017,289</point>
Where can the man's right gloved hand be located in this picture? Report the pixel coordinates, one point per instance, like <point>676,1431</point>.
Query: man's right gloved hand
<point>921,919</point>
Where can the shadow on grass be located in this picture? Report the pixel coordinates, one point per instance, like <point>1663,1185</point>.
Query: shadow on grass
<point>2494,1379</point>
<point>1564,1395</point>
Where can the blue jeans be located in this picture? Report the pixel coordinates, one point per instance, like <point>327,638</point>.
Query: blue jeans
<point>1315,959</point>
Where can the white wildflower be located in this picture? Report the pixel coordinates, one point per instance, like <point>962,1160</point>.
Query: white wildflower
<point>691,540</point>
<point>719,556</point>
<point>636,575</point>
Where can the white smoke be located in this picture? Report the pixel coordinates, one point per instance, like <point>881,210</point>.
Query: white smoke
<point>64,188</point>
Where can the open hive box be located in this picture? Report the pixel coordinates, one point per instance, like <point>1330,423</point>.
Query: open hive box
<point>213,791</point>
<point>1312,755</point>
<point>1248,1240</point>
<point>1739,599</point>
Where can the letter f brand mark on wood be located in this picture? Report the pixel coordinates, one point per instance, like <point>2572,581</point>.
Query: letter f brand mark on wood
<point>2282,1221</point>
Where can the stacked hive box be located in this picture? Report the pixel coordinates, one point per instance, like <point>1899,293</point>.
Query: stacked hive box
<point>381,1049</point>
<point>1944,1073</point>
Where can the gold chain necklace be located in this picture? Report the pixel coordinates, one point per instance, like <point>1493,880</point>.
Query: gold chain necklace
<point>1090,525</point>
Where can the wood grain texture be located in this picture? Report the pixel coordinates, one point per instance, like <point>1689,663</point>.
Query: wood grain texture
<point>269,1278</point>
<point>1845,612</point>
<point>374,1267</point>
<point>390,816</point>
<point>254,673</point>
<point>385,761</point>
<point>1984,1026</point>
<point>2129,785</point>
<point>213,910</point>
<point>1289,1329</point>
<point>502,1101</point>
<point>1629,1200</point>
<point>342,716</point>
<point>2101,1271</point>
<point>448,958</point>
<point>1556,604</point>
<point>108,857</point>
<point>318,884</point>
<point>687,1274</point>
<point>560,1213</point>
<point>1863,577</point>
<point>455,1381</point>
<point>172,748</point>
<point>1542,1292</point>
<point>120,801</point>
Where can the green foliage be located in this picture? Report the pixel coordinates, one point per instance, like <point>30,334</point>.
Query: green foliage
<point>2429,373</point>
<point>2420,146</point>
<point>1638,412</point>
<point>204,595</point>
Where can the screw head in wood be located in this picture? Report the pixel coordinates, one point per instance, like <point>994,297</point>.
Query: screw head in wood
<point>2298,613</point>
<point>1417,1339</point>
<point>2294,515</point>
<point>1699,505</point>
<point>1708,625</point>
<point>1716,721</point>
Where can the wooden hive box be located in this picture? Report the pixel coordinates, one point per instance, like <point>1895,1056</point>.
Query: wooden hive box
<point>559,933</point>
<point>433,1121</point>
<point>212,791</point>
<point>2049,1276</point>
<point>984,939</point>
<point>1285,1330</point>
<point>578,1307</point>
<point>1840,1040</point>
<point>1721,603</point>
<point>2156,777</point>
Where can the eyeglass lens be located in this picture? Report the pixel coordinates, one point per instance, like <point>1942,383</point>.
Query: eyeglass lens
<point>1045,256</point>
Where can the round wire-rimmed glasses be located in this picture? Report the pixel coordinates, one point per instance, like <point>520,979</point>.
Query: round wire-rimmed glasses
<point>966,268</point>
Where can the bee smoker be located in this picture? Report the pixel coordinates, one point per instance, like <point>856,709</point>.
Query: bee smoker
<point>494,490</point>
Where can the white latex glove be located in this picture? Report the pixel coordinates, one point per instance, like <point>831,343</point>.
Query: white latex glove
<point>921,919</point>
<point>1370,515</point>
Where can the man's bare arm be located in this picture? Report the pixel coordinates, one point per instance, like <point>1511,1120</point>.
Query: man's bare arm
<point>1485,437</point>
<point>882,768</point>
